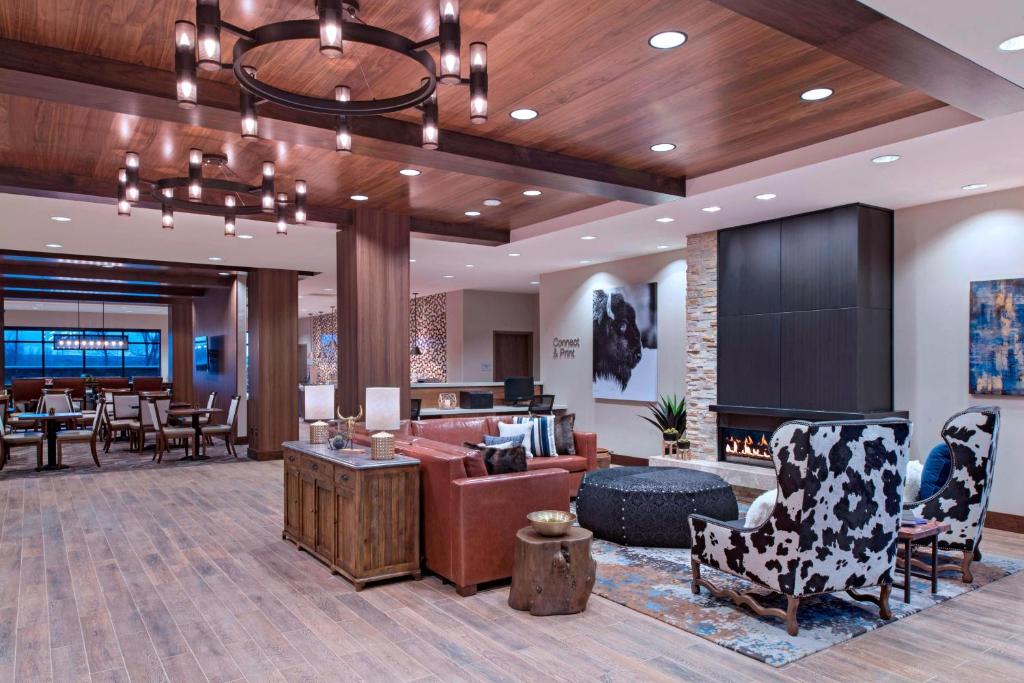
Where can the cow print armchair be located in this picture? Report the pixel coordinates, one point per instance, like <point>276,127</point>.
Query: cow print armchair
<point>835,523</point>
<point>962,500</point>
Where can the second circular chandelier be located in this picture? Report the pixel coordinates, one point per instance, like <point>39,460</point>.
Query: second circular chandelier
<point>198,45</point>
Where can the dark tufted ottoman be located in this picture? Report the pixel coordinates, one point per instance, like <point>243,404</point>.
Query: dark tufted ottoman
<point>649,506</point>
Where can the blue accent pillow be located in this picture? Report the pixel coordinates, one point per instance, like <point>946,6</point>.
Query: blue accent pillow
<point>936,470</point>
<point>516,441</point>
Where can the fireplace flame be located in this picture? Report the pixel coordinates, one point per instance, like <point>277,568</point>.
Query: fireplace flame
<point>747,446</point>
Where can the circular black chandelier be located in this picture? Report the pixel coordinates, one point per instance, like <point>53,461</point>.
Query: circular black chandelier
<point>198,45</point>
<point>194,192</point>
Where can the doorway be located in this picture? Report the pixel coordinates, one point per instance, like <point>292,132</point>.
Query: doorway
<point>513,355</point>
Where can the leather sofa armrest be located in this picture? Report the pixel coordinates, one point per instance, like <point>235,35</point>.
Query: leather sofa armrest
<point>586,445</point>
<point>486,513</point>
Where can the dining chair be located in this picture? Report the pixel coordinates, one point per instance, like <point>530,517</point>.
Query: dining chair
<point>17,439</point>
<point>81,436</point>
<point>58,399</point>
<point>16,423</point>
<point>226,430</point>
<point>211,401</point>
<point>144,425</point>
<point>417,405</point>
<point>125,412</point>
<point>165,434</point>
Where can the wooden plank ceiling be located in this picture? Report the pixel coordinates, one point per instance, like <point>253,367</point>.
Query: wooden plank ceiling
<point>730,95</point>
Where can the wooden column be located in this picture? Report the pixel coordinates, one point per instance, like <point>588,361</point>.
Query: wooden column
<point>180,327</point>
<point>373,307</point>
<point>273,412</point>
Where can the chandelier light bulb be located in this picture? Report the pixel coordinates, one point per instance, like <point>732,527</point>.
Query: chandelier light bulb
<point>229,225</point>
<point>167,218</point>
<point>329,12</point>
<point>124,207</point>
<point>268,169</point>
<point>478,82</point>
<point>208,23</point>
<point>229,201</point>
<point>131,160</point>
<point>195,191</point>
<point>185,63</point>
<point>132,193</point>
<point>343,136</point>
<point>267,187</point>
<point>343,93</point>
<point>300,202</point>
<point>430,132</point>
<point>247,107</point>
<point>168,192</point>
<point>450,39</point>
<point>131,163</point>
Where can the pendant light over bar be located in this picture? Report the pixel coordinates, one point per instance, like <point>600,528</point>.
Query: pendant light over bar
<point>337,22</point>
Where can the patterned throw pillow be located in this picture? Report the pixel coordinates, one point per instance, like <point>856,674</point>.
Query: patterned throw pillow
<point>542,434</point>
<point>511,429</point>
<point>565,444</point>
<point>502,459</point>
<point>514,441</point>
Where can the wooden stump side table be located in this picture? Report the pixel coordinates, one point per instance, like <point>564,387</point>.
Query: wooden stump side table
<point>552,575</point>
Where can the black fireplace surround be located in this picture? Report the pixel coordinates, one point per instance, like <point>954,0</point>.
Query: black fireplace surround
<point>804,322</point>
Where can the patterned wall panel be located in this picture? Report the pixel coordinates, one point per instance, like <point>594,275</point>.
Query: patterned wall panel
<point>432,340</point>
<point>432,322</point>
<point>323,332</point>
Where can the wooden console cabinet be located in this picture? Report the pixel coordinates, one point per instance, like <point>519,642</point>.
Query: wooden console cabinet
<point>360,517</point>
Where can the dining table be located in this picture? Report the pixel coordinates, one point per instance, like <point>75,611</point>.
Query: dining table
<point>195,414</point>
<point>52,422</point>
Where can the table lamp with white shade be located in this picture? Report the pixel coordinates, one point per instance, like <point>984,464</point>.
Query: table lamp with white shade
<point>383,408</point>
<point>318,404</point>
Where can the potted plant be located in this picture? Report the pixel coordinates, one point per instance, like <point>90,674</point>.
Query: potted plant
<point>669,416</point>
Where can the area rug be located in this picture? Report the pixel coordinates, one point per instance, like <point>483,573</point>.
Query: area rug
<point>656,582</point>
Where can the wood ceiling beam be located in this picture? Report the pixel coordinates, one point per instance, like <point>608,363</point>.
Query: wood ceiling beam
<point>868,38</point>
<point>85,80</point>
<point>64,186</point>
<point>55,282</point>
<point>97,298</point>
<point>120,274</point>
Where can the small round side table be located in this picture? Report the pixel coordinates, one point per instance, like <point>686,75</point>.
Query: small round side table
<point>552,575</point>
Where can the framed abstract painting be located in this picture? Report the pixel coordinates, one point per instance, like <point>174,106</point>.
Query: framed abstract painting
<point>997,337</point>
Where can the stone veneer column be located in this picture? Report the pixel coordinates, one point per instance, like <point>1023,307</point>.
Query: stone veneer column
<point>702,344</point>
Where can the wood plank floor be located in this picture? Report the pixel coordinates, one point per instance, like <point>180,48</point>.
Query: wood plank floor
<point>179,573</point>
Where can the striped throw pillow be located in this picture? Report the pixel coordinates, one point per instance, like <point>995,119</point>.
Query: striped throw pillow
<point>542,434</point>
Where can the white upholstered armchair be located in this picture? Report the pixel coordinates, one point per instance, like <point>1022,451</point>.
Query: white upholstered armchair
<point>835,522</point>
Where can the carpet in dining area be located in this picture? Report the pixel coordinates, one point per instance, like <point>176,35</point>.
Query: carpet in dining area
<point>656,582</point>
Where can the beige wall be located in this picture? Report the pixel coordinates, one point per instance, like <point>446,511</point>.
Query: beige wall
<point>473,318</point>
<point>940,249</point>
<point>23,318</point>
<point>566,311</point>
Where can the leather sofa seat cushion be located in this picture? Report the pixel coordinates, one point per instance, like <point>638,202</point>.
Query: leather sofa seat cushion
<point>456,430</point>
<point>572,463</point>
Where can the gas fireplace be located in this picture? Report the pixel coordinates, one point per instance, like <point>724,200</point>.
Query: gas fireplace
<point>746,444</point>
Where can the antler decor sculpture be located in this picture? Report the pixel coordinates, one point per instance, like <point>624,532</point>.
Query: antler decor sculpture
<point>343,440</point>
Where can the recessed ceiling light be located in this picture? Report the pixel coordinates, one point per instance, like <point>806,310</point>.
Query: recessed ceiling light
<point>60,219</point>
<point>470,265</point>
<point>589,237</point>
<point>535,282</point>
<point>214,258</point>
<point>492,202</point>
<point>448,277</point>
<point>766,196</point>
<point>412,260</point>
<point>300,296</point>
<point>245,237</point>
<point>1012,44</point>
<point>665,219</point>
<point>711,209</point>
<point>472,213</point>
<point>975,186</point>
<point>532,193</point>
<point>515,253</point>
<point>585,261</point>
<point>663,147</point>
<point>359,197</point>
<point>815,94</point>
<point>886,159</point>
<point>54,245</point>
<point>328,289</point>
<point>523,114</point>
<point>666,40</point>
<point>662,246</point>
<point>410,172</point>
<point>223,273</point>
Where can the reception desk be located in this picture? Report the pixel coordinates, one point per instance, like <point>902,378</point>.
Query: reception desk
<point>428,392</point>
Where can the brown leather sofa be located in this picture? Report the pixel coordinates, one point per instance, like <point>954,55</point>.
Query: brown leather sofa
<point>468,522</point>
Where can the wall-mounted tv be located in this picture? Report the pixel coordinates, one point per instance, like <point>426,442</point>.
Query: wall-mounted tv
<point>201,353</point>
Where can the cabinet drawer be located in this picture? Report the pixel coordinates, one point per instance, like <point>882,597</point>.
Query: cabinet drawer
<point>292,460</point>
<point>344,479</point>
<point>317,468</point>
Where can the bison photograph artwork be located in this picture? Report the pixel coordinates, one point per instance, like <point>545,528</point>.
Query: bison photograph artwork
<point>626,342</point>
